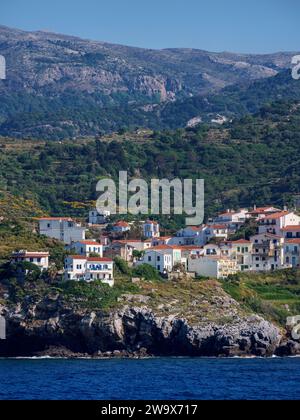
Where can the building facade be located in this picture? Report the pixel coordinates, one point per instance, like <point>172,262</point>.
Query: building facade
<point>40,259</point>
<point>61,228</point>
<point>80,268</point>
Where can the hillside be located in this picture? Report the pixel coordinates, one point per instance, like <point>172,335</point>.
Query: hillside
<point>61,86</point>
<point>231,102</point>
<point>253,160</point>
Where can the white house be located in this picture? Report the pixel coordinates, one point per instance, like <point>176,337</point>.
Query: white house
<point>291,232</point>
<point>232,217</point>
<point>63,229</point>
<point>274,223</point>
<point>96,218</point>
<point>218,231</point>
<point>87,247</point>
<point>162,257</point>
<point>241,251</point>
<point>41,259</point>
<point>261,212</point>
<point>78,267</point>
<point>162,240</point>
<point>211,249</point>
<point>190,235</point>
<point>292,252</point>
<point>267,252</point>
<point>212,266</point>
<point>151,229</point>
<point>121,227</point>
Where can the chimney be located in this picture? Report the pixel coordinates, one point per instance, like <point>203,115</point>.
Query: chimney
<point>254,207</point>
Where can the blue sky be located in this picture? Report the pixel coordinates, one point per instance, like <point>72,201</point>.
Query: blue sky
<point>216,25</point>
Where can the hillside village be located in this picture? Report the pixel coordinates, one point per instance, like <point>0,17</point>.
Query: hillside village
<point>258,240</point>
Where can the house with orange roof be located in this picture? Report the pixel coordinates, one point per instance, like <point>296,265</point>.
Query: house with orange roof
<point>121,227</point>
<point>81,268</point>
<point>291,232</point>
<point>232,218</point>
<point>261,212</point>
<point>87,247</point>
<point>275,222</point>
<point>63,229</point>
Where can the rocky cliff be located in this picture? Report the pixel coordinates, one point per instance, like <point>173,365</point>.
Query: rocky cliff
<point>49,64</point>
<point>207,324</point>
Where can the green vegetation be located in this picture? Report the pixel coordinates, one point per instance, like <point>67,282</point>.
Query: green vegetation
<point>274,295</point>
<point>253,160</point>
<point>74,114</point>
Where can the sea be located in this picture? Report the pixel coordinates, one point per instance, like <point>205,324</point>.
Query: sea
<point>150,379</point>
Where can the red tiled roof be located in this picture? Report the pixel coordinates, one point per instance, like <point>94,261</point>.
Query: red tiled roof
<point>263,210</point>
<point>195,228</point>
<point>89,243</point>
<point>278,215</point>
<point>162,247</point>
<point>295,228</point>
<point>239,241</point>
<point>216,226</point>
<point>121,223</point>
<point>90,259</point>
<point>98,259</point>
<point>294,241</point>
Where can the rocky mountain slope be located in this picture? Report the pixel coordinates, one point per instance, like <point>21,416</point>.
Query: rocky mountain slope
<point>48,63</point>
<point>55,82</point>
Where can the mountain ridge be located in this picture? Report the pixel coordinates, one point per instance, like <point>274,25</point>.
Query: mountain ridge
<point>118,85</point>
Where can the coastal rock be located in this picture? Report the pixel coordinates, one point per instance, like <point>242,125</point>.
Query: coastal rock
<point>136,331</point>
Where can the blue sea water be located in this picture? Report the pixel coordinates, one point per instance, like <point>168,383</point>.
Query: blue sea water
<point>165,378</point>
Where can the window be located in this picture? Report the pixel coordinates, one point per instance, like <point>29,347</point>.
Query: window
<point>48,225</point>
<point>149,258</point>
<point>158,267</point>
<point>158,258</point>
